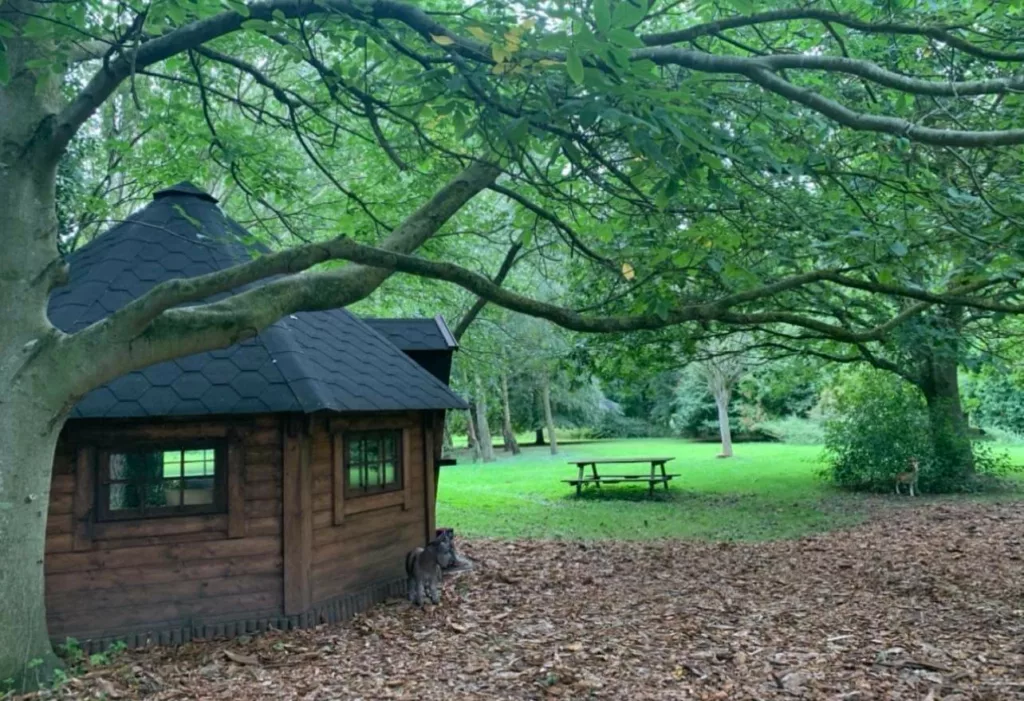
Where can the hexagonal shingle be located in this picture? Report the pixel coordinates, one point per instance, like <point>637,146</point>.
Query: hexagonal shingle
<point>158,401</point>
<point>220,371</point>
<point>129,387</point>
<point>220,399</point>
<point>305,362</point>
<point>191,386</point>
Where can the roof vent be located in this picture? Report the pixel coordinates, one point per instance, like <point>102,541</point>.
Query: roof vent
<point>186,189</point>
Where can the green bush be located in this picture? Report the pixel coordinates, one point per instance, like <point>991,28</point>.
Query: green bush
<point>877,424</point>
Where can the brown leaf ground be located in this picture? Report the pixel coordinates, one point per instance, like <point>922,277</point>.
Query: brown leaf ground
<point>922,603</point>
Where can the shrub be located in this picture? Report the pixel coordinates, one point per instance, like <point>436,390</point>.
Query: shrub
<point>877,424</point>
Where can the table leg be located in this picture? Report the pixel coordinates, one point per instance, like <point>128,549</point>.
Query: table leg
<point>650,484</point>
<point>579,483</point>
<point>663,477</point>
<point>593,470</point>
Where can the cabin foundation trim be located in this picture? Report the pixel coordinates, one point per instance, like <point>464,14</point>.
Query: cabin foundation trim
<point>336,610</point>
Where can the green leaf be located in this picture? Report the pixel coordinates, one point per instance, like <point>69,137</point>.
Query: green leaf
<point>603,15</point>
<point>574,66</point>
<point>519,130</point>
<point>237,6</point>
<point>629,12</point>
<point>5,74</point>
<point>745,7</point>
<point>899,249</point>
<point>624,37</point>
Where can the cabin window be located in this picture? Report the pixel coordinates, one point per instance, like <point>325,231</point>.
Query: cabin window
<point>373,462</point>
<point>153,481</point>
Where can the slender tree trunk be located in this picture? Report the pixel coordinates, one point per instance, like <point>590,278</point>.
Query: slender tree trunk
<point>447,445</point>
<point>507,434</point>
<point>483,434</point>
<point>545,392</point>
<point>472,441</point>
<point>722,396</point>
<point>950,438</point>
<point>539,437</point>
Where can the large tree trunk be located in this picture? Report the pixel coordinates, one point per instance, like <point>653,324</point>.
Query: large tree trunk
<point>539,437</point>
<point>34,386</point>
<point>28,437</point>
<point>549,421</point>
<point>507,434</point>
<point>483,431</point>
<point>950,438</point>
<point>724,429</point>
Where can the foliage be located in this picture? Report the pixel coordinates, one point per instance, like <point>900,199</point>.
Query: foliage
<point>784,387</point>
<point>878,424</point>
<point>695,414</point>
<point>614,425</point>
<point>877,427</point>
<point>995,397</point>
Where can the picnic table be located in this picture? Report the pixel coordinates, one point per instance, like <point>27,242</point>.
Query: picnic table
<point>596,479</point>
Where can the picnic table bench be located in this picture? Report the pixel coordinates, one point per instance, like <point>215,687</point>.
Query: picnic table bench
<point>596,479</point>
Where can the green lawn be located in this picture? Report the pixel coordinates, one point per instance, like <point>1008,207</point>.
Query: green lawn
<point>767,491</point>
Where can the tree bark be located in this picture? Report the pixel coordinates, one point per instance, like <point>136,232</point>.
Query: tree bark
<point>483,431</point>
<point>34,386</point>
<point>507,434</point>
<point>549,421</point>
<point>722,396</point>
<point>472,441</point>
<point>950,438</point>
<point>539,437</point>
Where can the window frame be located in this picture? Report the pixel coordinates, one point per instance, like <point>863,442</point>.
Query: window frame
<point>104,514</point>
<point>352,491</point>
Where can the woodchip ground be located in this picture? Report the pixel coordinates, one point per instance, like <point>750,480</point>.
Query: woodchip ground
<point>917,603</point>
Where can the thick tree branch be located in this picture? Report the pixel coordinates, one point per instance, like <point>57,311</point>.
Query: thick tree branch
<point>943,34</point>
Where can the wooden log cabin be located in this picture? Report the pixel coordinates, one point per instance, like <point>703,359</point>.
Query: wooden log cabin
<point>275,483</point>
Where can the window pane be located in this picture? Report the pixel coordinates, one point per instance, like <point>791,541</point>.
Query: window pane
<point>372,452</point>
<point>119,497</point>
<point>390,476</point>
<point>172,464</point>
<point>156,494</point>
<point>372,476</point>
<point>157,481</point>
<point>198,491</point>
<point>199,463</point>
<point>353,477</point>
<point>389,448</point>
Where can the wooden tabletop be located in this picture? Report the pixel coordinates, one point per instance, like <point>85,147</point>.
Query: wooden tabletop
<point>608,461</point>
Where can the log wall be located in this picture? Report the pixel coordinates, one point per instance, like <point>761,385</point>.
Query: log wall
<point>129,578</point>
<point>290,552</point>
<point>359,541</point>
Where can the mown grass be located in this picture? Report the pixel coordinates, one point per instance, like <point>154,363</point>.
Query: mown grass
<point>767,491</point>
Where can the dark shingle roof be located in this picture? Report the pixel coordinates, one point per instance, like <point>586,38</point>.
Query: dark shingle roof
<point>416,334</point>
<point>308,361</point>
